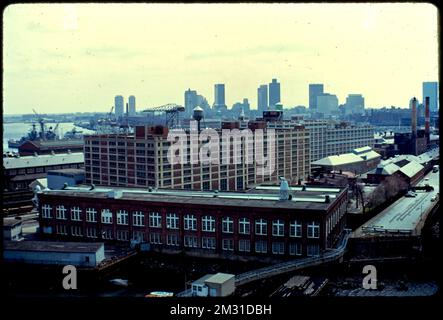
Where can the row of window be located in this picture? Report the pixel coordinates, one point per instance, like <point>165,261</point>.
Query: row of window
<point>189,221</point>
<point>243,245</point>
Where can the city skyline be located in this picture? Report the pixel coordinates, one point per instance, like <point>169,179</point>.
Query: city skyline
<point>72,57</point>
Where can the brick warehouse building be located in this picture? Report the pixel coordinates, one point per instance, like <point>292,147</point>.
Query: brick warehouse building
<point>140,160</point>
<point>217,224</point>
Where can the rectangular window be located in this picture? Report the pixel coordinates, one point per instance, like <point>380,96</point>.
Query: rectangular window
<point>46,211</point>
<point>244,245</point>
<point>261,246</point>
<point>76,231</point>
<point>244,226</point>
<point>190,222</point>
<point>295,229</point>
<point>91,232</point>
<point>172,240</point>
<point>155,238</point>
<point>314,230</point>
<point>106,216</point>
<point>261,227</point>
<point>295,249</point>
<point>208,242</point>
<point>227,225</point>
<point>208,224</point>
<point>278,227</point>
<point>155,220</point>
<point>278,247</point>
<point>172,221</point>
<point>61,229</point>
<point>138,219</point>
<point>122,235</point>
<point>228,244</point>
<point>122,218</point>
<point>191,242</point>
<point>91,215</point>
<point>76,214</point>
<point>60,212</point>
<point>107,234</point>
<point>313,250</point>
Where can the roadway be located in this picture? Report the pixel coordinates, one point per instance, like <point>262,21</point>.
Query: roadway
<point>406,215</point>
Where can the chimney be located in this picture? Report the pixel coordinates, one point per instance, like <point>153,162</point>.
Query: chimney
<point>414,117</point>
<point>414,126</point>
<point>427,120</point>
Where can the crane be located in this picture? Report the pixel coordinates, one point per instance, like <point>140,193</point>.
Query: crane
<point>41,121</point>
<point>171,111</point>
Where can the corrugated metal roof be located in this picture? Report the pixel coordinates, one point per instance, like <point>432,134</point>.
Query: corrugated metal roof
<point>386,168</point>
<point>411,169</point>
<point>358,155</point>
<point>336,160</point>
<point>43,160</point>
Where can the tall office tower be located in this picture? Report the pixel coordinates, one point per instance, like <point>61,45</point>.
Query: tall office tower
<point>327,104</point>
<point>315,90</point>
<point>190,101</point>
<point>274,93</point>
<point>246,106</point>
<point>131,110</point>
<point>430,89</point>
<point>119,106</point>
<point>355,104</point>
<point>262,98</point>
<point>219,96</point>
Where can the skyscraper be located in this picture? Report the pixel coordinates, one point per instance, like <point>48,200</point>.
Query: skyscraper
<point>327,104</point>
<point>262,98</point>
<point>430,89</point>
<point>315,90</point>
<point>274,93</point>
<point>219,96</point>
<point>355,104</point>
<point>119,106</point>
<point>131,101</point>
<point>190,101</point>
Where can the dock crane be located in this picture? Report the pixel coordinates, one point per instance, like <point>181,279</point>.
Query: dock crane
<point>171,111</point>
<point>41,121</point>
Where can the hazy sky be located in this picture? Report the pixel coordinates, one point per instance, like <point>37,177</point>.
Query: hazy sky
<point>67,57</point>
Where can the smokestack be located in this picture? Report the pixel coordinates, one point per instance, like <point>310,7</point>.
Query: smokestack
<point>427,120</point>
<point>414,117</point>
<point>414,125</point>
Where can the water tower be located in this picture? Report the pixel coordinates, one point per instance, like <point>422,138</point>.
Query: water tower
<point>197,114</point>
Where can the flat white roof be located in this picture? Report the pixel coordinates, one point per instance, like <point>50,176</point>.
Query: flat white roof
<point>43,160</point>
<point>220,278</point>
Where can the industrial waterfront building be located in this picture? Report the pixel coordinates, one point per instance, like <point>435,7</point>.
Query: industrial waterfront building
<point>360,160</point>
<point>140,160</point>
<point>268,221</point>
<point>329,137</point>
<point>20,172</point>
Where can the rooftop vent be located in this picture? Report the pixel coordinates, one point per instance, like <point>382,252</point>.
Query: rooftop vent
<point>284,189</point>
<point>327,199</point>
<point>115,194</point>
